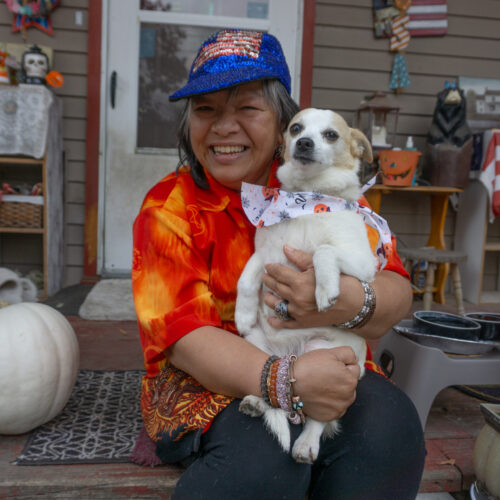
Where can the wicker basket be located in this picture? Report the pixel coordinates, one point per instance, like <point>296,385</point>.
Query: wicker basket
<point>17,214</point>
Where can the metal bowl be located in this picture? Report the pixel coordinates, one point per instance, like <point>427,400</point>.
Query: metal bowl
<point>420,334</point>
<point>490,324</point>
<point>447,325</point>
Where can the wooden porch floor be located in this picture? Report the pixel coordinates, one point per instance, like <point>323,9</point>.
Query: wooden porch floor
<point>452,427</point>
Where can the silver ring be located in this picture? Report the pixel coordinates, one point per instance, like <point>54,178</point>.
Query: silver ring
<point>281,310</point>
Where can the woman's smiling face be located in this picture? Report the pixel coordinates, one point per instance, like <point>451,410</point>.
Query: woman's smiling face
<point>234,134</point>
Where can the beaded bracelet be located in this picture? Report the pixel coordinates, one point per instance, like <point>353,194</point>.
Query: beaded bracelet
<point>366,311</point>
<point>272,382</point>
<point>279,388</point>
<point>283,383</point>
<point>373,305</point>
<point>264,376</point>
<point>296,416</point>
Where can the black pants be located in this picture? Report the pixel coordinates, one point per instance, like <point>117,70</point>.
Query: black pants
<point>379,455</point>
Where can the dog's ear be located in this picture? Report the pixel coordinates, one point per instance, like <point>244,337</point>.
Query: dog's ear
<point>360,145</point>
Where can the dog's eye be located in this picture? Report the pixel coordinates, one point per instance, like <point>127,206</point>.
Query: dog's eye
<point>331,135</point>
<point>295,128</point>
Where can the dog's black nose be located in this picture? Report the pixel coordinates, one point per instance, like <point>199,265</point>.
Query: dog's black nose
<point>304,144</point>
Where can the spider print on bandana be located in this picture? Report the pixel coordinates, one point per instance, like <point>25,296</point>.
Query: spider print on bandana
<point>284,215</point>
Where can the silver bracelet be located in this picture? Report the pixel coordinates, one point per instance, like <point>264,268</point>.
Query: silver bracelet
<point>366,311</point>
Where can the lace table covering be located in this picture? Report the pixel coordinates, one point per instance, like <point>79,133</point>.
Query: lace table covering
<point>24,120</point>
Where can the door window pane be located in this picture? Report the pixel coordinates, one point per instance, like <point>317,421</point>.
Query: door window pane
<point>165,57</point>
<point>232,8</point>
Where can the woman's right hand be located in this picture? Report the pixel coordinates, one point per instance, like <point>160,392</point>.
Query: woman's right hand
<point>326,382</point>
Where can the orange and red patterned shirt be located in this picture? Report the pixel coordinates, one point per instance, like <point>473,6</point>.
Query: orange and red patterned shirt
<point>190,247</point>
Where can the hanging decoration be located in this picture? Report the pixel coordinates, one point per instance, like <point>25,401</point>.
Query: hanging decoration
<point>428,18</point>
<point>35,13</point>
<point>400,78</point>
<point>399,20</point>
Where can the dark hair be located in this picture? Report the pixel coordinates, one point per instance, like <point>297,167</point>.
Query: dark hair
<point>274,93</point>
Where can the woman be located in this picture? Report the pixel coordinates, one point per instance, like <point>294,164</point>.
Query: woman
<point>191,242</point>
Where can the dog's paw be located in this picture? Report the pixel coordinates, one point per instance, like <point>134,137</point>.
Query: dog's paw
<point>325,297</point>
<point>245,319</point>
<point>304,451</point>
<point>253,406</point>
<point>366,270</point>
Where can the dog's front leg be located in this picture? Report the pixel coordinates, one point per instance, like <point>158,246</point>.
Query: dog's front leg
<point>358,263</point>
<point>247,301</point>
<point>327,275</point>
<point>306,447</point>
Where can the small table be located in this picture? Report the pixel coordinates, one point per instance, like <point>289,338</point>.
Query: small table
<point>439,206</point>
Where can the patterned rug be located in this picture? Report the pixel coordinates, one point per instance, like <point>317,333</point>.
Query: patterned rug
<point>99,424</point>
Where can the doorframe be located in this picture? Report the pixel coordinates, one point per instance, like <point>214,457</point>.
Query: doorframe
<point>92,139</point>
<point>93,154</point>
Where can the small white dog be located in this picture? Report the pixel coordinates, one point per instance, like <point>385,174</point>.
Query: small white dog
<point>322,155</point>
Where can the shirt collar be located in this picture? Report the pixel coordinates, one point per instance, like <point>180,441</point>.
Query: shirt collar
<point>218,197</point>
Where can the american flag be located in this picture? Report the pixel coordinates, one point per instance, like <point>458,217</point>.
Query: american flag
<point>427,18</point>
<point>231,43</point>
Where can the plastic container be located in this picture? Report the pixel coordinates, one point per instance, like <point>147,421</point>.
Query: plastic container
<point>490,324</point>
<point>398,166</point>
<point>447,325</point>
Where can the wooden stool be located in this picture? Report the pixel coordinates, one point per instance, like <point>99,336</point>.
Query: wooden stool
<point>434,257</point>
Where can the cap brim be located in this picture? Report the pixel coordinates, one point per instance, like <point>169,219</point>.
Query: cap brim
<point>207,83</point>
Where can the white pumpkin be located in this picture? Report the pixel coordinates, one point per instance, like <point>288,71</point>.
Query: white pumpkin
<point>486,456</point>
<point>39,358</point>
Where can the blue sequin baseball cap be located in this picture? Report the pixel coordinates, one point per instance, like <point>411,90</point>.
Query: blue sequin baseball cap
<point>231,57</point>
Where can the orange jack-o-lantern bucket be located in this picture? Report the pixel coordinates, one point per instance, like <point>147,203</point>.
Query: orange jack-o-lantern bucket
<point>398,166</point>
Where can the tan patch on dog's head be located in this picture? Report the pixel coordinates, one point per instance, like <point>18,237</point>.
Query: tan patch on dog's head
<point>360,146</point>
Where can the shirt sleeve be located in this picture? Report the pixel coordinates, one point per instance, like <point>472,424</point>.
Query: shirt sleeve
<point>169,279</point>
<point>393,260</point>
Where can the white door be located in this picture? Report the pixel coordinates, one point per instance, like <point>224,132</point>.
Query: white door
<point>147,51</point>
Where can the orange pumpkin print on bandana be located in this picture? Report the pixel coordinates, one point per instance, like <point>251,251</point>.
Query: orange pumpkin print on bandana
<point>388,250</point>
<point>321,208</point>
<point>270,193</point>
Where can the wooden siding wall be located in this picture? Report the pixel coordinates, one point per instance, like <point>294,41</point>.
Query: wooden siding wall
<point>350,63</point>
<point>70,58</point>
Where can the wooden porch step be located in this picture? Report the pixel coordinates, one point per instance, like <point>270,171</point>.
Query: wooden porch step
<point>96,481</point>
<point>448,469</point>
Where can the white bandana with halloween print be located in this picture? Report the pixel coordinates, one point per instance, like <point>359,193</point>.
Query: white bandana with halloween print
<point>265,206</point>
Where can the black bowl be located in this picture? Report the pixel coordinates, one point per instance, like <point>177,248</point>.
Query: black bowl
<point>447,325</point>
<point>490,324</point>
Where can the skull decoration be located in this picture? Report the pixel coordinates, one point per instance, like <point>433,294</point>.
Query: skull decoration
<point>35,65</point>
